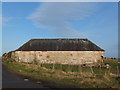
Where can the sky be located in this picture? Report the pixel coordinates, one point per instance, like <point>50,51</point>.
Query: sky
<point>95,21</point>
<point>0,44</point>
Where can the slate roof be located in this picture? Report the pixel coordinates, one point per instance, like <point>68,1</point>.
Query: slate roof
<point>58,44</point>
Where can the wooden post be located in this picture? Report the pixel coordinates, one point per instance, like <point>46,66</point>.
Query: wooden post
<point>100,68</point>
<point>53,67</point>
<point>78,68</point>
<point>40,64</point>
<point>117,70</point>
<point>105,71</point>
<point>91,69</point>
<point>68,67</point>
<point>108,68</point>
<point>61,66</point>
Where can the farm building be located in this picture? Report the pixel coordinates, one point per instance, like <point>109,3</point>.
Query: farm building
<point>59,51</point>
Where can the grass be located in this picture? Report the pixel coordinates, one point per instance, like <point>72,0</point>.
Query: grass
<point>70,75</point>
<point>76,68</point>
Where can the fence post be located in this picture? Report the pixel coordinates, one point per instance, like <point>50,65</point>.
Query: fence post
<point>105,71</point>
<point>40,64</point>
<point>108,68</point>
<point>53,68</point>
<point>91,69</point>
<point>117,70</point>
<point>81,69</point>
<point>61,66</point>
<point>100,68</point>
<point>78,68</point>
<point>68,67</point>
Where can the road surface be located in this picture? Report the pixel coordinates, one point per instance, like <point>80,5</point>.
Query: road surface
<point>12,80</point>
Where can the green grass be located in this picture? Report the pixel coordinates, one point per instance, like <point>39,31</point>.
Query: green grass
<point>113,65</point>
<point>75,68</point>
<point>70,75</point>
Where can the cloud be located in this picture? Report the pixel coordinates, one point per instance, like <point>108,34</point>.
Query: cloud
<point>4,20</point>
<point>56,17</point>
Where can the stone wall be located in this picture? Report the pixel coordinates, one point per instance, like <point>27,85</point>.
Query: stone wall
<point>59,57</point>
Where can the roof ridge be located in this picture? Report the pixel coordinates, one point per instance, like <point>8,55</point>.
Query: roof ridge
<point>58,38</point>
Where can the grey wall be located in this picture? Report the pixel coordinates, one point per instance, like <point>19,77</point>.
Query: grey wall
<point>59,57</point>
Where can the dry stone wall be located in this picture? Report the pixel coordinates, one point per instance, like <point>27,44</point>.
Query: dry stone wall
<point>59,57</point>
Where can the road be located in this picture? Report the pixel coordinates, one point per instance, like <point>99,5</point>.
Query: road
<point>12,80</point>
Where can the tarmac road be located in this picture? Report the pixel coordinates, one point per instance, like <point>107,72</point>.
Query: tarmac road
<point>12,80</point>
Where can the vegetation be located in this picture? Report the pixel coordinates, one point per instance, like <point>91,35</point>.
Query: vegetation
<point>70,75</point>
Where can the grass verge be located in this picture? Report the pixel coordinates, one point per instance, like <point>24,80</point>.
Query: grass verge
<point>101,78</point>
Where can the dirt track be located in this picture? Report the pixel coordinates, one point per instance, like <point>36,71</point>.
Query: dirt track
<point>12,80</point>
